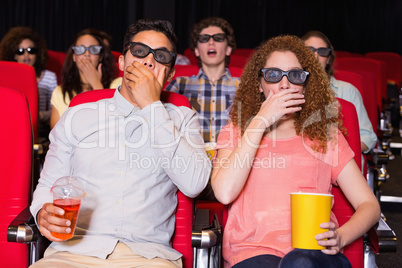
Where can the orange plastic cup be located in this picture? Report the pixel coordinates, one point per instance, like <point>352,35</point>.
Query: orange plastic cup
<point>67,194</point>
<point>308,211</point>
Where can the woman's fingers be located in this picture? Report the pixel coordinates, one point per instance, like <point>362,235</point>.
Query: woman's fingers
<point>277,105</point>
<point>329,239</point>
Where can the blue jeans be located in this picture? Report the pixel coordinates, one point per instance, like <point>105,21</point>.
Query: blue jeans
<point>297,258</point>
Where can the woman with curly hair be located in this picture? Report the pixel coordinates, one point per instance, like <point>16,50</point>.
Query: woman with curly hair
<point>284,137</point>
<point>24,45</point>
<point>89,65</point>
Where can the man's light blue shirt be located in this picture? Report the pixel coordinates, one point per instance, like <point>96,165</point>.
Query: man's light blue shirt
<point>347,91</point>
<point>132,162</point>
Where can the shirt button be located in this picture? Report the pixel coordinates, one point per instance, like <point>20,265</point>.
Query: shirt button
<point>117,202</point>
<point>123,144</point>
<point>121,172</point>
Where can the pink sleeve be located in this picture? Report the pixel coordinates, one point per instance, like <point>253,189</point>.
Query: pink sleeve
<point>228,138</point>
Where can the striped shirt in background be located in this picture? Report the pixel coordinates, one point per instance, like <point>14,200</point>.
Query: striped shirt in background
<point>45,88</point>
<point>211,101</point>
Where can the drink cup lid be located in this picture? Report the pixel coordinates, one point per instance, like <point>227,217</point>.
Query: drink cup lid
<point>68,187</point>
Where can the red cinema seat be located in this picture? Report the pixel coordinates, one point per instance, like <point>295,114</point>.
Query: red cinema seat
<point>366,64</point>
<point>238,60</point>
<point>344,54</point>
<point>342,209</point>
<point>235,71</point>
<point>16,171</point>
<point>23,78</point>
<point>116,55</point>
<point>55,62</point>
<point>361,81</point>
<point>393,66</point>
<point>184,70</point>
<point>246,52</point>
<point>190,55</point>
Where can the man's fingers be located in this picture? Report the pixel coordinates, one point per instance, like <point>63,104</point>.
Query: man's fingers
<point>161,76</point>
<point>49,208</point>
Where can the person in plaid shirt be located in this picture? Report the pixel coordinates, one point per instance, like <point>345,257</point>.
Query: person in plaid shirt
<point>212,90</point>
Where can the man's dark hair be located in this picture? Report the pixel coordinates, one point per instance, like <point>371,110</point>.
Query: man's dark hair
<point>329,67</point>
<point>141,25</point>
<point>218,22</point>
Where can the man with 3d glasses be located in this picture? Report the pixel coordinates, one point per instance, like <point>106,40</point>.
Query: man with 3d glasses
<point>133,153</point>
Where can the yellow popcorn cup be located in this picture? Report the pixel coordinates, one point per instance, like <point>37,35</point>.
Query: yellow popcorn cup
<point>308,211</point>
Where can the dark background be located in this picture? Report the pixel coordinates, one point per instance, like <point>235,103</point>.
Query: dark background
<point>358,26</point>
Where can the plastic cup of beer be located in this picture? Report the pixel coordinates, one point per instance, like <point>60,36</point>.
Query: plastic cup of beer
<point>210,148</point>
<point>308,211</point>
<point>67,194</point>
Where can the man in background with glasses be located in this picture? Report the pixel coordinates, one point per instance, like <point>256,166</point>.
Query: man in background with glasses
<point>127,150</point>
<point>324,51</point>
<point>211,91</point>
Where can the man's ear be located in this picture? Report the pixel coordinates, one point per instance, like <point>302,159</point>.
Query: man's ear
<point>121,63</point>
<point>171,74</point>
<point>228,50</point>
<point>196,52</point>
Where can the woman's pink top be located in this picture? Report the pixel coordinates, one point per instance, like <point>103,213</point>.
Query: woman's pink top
<point>259,219</point>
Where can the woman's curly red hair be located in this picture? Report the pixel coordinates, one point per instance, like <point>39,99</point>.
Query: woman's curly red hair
<point>318,112</point>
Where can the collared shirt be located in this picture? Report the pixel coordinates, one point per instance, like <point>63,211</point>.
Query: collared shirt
<point>211,100</point>
<point>132,162</point>
<point>347,91</point>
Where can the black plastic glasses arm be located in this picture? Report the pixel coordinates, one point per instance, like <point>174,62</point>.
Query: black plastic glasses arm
<point>274,75</point>
<point>203,38</point>
<point>161,55</point>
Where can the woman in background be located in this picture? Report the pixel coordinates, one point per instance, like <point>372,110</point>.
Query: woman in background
<point>89,65</point>
<point>24,45</point>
